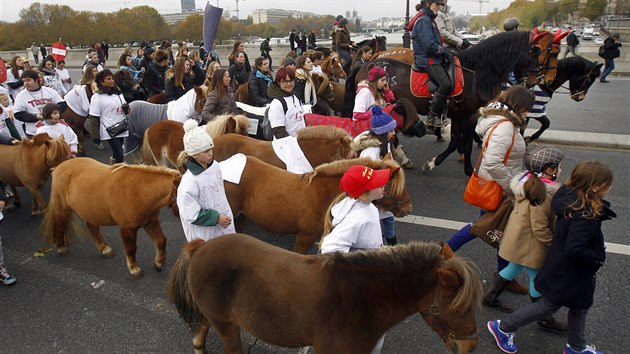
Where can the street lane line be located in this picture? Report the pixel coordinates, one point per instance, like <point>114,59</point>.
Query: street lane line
<point>457,225</point>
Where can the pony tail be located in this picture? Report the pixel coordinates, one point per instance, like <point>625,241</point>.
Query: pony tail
<point>177,289</point>
<point>181,162</point>
<point>328,218</point>
<point>535,190</point>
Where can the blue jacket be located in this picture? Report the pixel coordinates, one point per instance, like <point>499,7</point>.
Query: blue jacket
<point>427,43</point>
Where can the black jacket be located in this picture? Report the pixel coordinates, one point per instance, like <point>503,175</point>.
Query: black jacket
<point>173,92</point>
<point>577,251</point>
<point>572,40</point>
<point>154,79</point>
<point>258,91</point>
<point>611,49</point>
<point>238,74</point>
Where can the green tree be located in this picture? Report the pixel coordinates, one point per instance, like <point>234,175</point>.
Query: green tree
<point>190,28</point>
<point>594,8</point>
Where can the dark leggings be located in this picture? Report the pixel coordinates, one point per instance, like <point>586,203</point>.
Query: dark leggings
<point>117,149</point>
<point>438,74</point>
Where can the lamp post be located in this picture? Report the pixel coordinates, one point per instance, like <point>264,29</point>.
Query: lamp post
<point>406,39</point>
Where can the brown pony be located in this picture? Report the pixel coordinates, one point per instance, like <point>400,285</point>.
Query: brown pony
<point>29,163</point>
<point>126,195</point>
<point>76,121</point>
<point>164,140</point>
<point>331,67</point>
<point>402,54</point>
<point>268,196</point>
<point>336,303</point>
<point>320,144</point>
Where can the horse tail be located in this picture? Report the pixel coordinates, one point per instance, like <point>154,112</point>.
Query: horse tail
<point>349,92</point>
<point>177,288</point>
<point>74,226</point>
<point>147,153</point>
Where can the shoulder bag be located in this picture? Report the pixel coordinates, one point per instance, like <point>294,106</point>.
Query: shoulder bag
<point>120,127</point>
<point>482,193</point>
<point>490,226</point>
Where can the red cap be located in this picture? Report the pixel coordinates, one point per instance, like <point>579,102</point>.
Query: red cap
<point>360,179</point>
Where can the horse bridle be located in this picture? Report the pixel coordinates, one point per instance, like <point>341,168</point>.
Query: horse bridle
<point>582,89</point>
<point>335,70</point>
<point>434,311</point>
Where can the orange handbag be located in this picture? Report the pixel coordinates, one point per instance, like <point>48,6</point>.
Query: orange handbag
<point>486,194</point>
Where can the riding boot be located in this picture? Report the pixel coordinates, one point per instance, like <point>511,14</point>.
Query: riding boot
<point>517,288</point>
<point>551,324</point>
<point>391,241</point>
<point>435,111</point>
<point>490,299</point>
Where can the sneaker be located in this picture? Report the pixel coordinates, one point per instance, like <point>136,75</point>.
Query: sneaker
<point>505,341</point>
<point>590,349</point>
<point>604,81</point>
<point>100,146</point>
<point>5,278</point>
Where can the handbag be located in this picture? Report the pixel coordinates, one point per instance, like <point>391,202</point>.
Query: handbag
<point>490,226</point>
<point>483,193</point>
<point>118,128</point>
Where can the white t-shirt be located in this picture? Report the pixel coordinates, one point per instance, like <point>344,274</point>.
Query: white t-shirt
<point>317,69</point>
<point>60,129</point>
<point>64,74</point>
<point>184,108</point>
<point>33,102</point>
<point>294,118</point>
<point>109,109</point>
<point>54,83</point>
<point>203,191</point>
<point>356,226</point>
<point>10,79</point>
<point>78,101</point>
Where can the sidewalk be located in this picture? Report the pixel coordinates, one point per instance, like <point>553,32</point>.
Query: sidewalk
<point>600,140</point>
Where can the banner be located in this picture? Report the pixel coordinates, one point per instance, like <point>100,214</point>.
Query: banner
<point>211,18</point>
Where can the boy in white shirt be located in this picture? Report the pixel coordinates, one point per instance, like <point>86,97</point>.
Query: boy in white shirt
<point>29,103</point>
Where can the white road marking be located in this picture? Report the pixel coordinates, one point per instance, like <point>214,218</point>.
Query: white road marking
<point>456,225</point>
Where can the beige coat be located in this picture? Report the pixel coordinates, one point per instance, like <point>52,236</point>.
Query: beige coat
<point>529,231</point>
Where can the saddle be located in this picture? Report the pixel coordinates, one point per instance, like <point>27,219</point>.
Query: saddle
<point>421,85</point>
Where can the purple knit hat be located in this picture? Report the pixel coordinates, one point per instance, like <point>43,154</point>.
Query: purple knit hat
<point>381,122</point>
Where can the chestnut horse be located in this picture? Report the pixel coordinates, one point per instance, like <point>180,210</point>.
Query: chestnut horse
<point>284,203</point>
<point>129,196</point>
<point>320,144</point>
<point>487,66</point>
<point>164,140</point>
<point>336,303</point>
<point>29,163</point>
<point>331,67</point>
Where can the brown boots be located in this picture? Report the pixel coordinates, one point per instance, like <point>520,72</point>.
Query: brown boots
<point>490,299</point>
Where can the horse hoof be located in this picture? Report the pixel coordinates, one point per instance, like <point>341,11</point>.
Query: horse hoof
<point>428,166</point>
<point>107,252</point>
<point>136,273</point>
<point>440,139</point>
<point>200,350</point>
<point>36,212</point>
<point>408,165</point>
<point>158,266</point>
<point>62,251</point>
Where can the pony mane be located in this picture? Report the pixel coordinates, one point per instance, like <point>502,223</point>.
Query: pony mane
<point>219,125</point>
<point>420,258</point>
<point>575,63</point>
<point>493,58</point>
<point>146,168</point>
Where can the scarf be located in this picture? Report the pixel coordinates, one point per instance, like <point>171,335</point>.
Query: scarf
<point>110,90</point>
<point>309,89</point>
<point>260,75</point>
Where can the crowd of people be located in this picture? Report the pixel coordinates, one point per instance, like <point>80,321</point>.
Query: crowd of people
<point>553,232</point>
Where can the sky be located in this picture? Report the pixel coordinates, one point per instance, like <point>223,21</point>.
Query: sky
<point>368,9</point>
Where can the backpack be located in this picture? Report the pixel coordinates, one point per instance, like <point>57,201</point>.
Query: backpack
<point>602,51</point>
<point>266,125</point>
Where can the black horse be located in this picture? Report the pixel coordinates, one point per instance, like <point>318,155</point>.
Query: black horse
<point>486,67</point>
<point>378,44</point>
<point>580,73</point>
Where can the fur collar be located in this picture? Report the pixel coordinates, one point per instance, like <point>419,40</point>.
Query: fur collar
<point>364,141</point>
<point>503,111</point>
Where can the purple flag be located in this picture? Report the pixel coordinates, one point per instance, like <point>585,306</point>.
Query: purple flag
<point>211,18</point>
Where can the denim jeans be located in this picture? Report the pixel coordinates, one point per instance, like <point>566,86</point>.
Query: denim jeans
<point>387,227</point>
<point>117,148</point>
<point>609,66</point>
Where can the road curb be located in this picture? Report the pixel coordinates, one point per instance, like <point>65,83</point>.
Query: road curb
<point>599,140</point>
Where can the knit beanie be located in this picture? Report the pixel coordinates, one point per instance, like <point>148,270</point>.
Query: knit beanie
<point>359,179</point>
<point>288,61</point>
<point>381,122</point>
<point>196,140</point>
<point>376,73</point>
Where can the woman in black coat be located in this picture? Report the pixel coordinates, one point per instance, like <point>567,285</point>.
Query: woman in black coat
<point>181,78</point>
<point>259,83</point>
<point>577,252</point>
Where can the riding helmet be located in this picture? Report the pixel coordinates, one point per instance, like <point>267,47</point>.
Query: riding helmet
<point>343,22</point>
<point>537,158</point>
<point>511,24</point>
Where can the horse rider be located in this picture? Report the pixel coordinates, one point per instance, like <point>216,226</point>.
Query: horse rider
<point>511,24</point>
<point>451,37</point>
<point>429,55</point>
<point>344,44</point>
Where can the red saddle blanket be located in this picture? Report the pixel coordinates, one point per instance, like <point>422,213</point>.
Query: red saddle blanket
<point>353,127</point>
<point>419,82</point>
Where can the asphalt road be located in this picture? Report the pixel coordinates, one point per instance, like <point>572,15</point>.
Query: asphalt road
<point>84,303</point>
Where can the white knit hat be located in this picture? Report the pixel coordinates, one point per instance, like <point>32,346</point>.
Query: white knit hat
<point>196,140</point>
